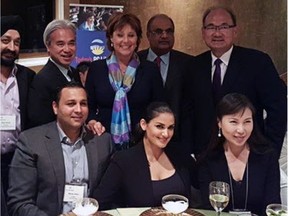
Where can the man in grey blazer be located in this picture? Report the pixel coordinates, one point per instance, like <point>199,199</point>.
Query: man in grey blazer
<point>171,63</point>
<point>55,157</point>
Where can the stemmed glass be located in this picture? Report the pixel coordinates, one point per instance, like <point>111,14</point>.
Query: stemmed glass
<point>175,204</point>
<point>86,207</point>
<point>219,193</point>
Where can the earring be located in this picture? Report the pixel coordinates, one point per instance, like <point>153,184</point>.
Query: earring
<point>219,132</point>
<point>112,45</point>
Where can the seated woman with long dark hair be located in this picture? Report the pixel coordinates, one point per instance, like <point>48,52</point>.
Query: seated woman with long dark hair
<point>141,175</point>
<point>240,156</point>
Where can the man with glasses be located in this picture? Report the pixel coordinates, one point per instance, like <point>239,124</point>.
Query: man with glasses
<point>171,63</point>
<point>229,68</point>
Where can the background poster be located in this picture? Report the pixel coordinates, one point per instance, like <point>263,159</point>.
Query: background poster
<point>91,38</point>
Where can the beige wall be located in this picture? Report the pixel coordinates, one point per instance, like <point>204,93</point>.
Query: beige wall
<point>262,22</point>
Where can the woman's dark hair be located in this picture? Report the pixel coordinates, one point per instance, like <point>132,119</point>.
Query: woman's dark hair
<point>152,111</point>
<point>231,104</point>
<point>118,21</point>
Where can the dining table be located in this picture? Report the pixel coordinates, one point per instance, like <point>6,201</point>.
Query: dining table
<point>148,211</point>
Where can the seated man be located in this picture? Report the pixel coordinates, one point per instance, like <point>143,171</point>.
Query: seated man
<point>54,161</point>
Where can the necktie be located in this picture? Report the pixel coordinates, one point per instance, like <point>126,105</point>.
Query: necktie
<point>70,74</point>
<point>217,79</point>
<point>158,61</point>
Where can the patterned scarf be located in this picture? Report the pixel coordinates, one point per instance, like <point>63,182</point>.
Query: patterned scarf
<point>121,122</point>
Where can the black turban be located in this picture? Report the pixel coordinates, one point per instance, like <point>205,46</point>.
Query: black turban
<point>12,22</point>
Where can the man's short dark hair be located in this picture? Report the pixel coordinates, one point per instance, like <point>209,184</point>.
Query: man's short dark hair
<point>71,84</point>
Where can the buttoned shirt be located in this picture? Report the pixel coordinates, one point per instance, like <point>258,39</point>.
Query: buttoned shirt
<point>75,161</point>
<point>163,65</point>
<point>225,60</point>
<point>63,70</point>
<point>9,106</point>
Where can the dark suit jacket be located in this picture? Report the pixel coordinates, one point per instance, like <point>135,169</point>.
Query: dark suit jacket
<point>178,63</point>
<point>24,78</point>
<point>127,181</point>
<point>42,93</point>
<point>4,211</point>
<point>250,72</point>
<point>146,89</point>
<point>263,178</point>
<point>37,173</point>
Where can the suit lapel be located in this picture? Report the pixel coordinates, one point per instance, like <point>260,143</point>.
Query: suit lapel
<point>23,89</point>
<point>92,157</point>
<point>171,72</point>
<point>144,173</point>
<point>56,157</point>
<point>232,73</point>
<point>53,69</point>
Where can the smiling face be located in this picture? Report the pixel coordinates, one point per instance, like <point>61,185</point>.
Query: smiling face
<point>237,128</point>
<point>10,46</point>
<point>62,46</point>
<point>72,109</point>
<point>219,41</point>
<point>124,41</point>
<point>159,131</point>
<point>161,43</point>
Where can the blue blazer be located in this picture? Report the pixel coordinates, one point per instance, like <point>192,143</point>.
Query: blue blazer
<point>147,88</point>
<point>250,72</point>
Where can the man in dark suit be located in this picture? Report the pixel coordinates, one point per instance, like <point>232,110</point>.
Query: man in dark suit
<point>58,162</point>
<point>15,82</point>
<point>60,40</point>
<point>171,63</point>
<point>242,70</point>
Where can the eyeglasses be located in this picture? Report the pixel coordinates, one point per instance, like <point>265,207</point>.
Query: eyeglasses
<point>160,32</point>
<point>221,28</point>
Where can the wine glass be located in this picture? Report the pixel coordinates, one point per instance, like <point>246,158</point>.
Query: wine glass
<point>276,210</point>
<point>175,204</point>
<point>85,207</point>
<point>219,193</point>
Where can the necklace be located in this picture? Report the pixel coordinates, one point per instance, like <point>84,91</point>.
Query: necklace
<point>246,192</point>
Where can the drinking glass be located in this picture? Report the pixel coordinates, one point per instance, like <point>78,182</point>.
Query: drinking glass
<point>85,207</point>
<point>276,210</point>
<point>175,204</point>
<point>219,193</point>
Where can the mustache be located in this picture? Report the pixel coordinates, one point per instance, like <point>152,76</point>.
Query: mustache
<point>9,52</point>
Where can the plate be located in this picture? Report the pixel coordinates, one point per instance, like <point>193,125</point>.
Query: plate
<point>159,211</point>
<point>98,213</point>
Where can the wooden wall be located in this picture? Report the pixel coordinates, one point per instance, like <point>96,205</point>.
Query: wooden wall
<point>262,24</point>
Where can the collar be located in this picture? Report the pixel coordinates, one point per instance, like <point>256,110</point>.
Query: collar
<point>14,70</point>
<point>164,58</point>
<point>224,58</point>
<point>65,139</point>
<point>61,68</point>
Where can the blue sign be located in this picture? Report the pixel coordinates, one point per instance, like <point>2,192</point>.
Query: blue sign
<point>91,46</point>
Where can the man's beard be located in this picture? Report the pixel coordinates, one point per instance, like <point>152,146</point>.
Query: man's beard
<point>11,61</point>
